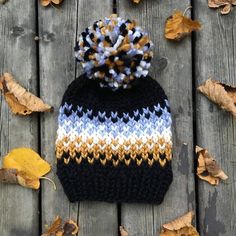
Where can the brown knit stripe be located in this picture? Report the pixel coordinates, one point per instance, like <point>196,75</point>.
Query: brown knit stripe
<point>103,152</point>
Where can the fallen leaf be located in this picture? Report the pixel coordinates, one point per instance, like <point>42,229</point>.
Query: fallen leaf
<point>222,94</point>
<point>19,100</point>
<point>208,169</point>
<point>225,6</point>
<point>136,1</point>
<point>69,228</point>
<point>47,2</point>
<point>25,167</point>
<point>3,1</point>
<point>180,226</point>
<point>178,26</point>
<point>123,232</point>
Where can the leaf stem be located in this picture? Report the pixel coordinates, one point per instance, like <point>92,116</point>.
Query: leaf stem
<point>46,178</point>
<point>188,8</point>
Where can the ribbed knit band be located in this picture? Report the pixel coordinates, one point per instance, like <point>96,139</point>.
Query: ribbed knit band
<point>114,146</point>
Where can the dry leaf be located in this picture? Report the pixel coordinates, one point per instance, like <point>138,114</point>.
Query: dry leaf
<point>208,169</point>
<point>3,1</point>
<point>47,2</point>
<point>123,232</point>
<point>136,1</point>
<point>225,6</point>
<point>222,94</point>
<point>178,26</point>
<point>180,226</point>
<point>25,167</point>
<point>19,100</point>
<point>58,229</point>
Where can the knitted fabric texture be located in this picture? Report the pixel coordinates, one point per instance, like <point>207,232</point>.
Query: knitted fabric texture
<point>114,142</point>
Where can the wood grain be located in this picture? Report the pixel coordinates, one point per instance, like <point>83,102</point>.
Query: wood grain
<point>215,56</point>
<point>95,218</point>
<point>18,205</point>
<point>57,32</point>
<point>176,79</point>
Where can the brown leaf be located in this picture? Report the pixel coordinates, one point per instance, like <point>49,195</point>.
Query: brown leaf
<point>178,26</point>
<point>208,169</point>
<point>180,226</point>
<point>47,2</point>
<point>225,6</point>
<point>136,1</point>
<point>58,229</point>
<point>222,94</point>
<point>8,176</point>
<point>123,232</point>
<point>19,100</point>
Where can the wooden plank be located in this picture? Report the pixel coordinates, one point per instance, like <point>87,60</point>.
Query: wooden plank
<point>18,205</point>
<point>95,218</point>
<point>57,30</point>
<point>216,129</point>
<point>176,79</point>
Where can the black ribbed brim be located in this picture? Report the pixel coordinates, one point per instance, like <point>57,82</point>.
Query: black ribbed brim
<point>115,184</point>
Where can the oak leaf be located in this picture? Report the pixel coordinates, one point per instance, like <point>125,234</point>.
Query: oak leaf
<point>25,167</point>
<point>69,228</point>
<point>225,6</point>
<point>178,26</point>
<point>180,226</point>
<point>222,94</point>
<point>208,169</point>
<point>45,3</point>
<point>19,100</point>
<point>123,232</point>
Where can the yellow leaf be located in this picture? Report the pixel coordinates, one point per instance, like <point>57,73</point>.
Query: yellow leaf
<point>178,26</point>
<point>180,226</point>
<point>26,160</point>
<point>19,100</point>
<point>29,165</point>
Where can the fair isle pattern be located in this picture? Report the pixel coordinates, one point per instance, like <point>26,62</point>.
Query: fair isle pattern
<point>142,135</point>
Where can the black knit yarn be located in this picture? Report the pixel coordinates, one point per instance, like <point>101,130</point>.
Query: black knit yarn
<point>121,183</point>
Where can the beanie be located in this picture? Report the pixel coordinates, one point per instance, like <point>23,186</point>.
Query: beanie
<point>114,126</point>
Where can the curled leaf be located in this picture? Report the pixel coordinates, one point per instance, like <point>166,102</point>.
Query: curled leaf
<point>180,226</point>
<point>69,228</point>
<point>19,100</point>
<point>178,26</point>
<point>225,6</point>
<point>25,167</point>
<point>45,3</point>
<point>123,232</point>
<point>222,94</point>
<point>208,169</point>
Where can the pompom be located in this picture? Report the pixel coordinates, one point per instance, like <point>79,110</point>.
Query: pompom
<point>115,52</point>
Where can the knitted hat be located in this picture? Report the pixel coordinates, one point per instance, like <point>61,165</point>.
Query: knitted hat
<point>114,136</point>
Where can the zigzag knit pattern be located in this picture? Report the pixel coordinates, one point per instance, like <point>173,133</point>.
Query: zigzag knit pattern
<point>114,146</point>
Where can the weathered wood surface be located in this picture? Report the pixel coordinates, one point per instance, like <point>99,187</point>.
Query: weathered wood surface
<point>176,79</point>
<point>215,56</point>
<point>48,66</point>
<point>18,206</point>
<point>57,32</point>
<point>57,70</point>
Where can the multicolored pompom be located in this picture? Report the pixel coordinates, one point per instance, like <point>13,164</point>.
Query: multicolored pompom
<point>115,52</point>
